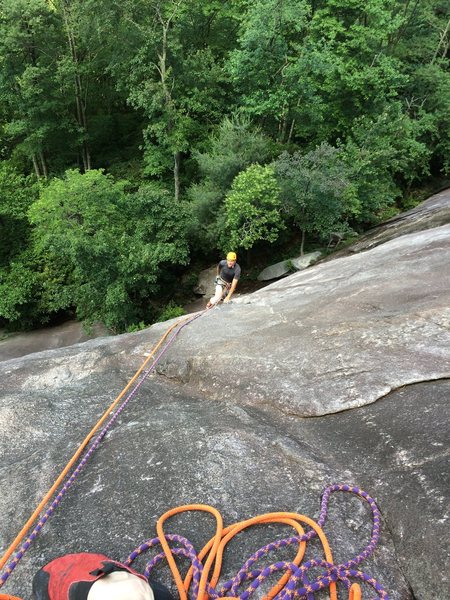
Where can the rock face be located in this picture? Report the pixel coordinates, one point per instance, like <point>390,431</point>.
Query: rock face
<point>340,373</point>
<point>301,262</point>
<point>282,268</point>
<point>335,336</point>
<point>66,334</point>
<point>429,214</point>
<point>205,285</point>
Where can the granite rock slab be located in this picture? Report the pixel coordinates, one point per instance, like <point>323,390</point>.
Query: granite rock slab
<point>339,373</point>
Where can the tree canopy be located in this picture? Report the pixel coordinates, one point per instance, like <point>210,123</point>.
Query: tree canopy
<point>138,137</point>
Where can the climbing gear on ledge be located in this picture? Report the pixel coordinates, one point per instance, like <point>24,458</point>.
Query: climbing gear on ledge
<point>88,575</point>
<point>294,581</point>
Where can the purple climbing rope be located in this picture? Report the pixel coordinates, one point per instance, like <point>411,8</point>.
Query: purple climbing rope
<point>298,584</point>
<point>9,568</point>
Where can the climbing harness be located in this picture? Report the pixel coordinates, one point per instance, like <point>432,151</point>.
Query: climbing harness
<point>294,581</point>
<point>225,285</point>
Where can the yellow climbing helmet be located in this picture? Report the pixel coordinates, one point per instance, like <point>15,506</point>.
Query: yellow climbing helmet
<point>231,256</point>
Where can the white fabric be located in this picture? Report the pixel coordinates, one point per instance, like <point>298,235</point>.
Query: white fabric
<point>120,585</point>
<point>220,291</point>
<point>217,295</point>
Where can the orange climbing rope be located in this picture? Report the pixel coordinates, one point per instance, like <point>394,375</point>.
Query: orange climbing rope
<point>355,592</point>
<point>23,532</point>
<point>214,549</point>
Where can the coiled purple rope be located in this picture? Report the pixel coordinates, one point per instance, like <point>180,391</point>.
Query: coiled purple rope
<point>298,585</point>
<point>9,568</point>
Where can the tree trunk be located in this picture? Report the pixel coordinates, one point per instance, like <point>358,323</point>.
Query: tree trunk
<point>442,42</point>
<point>43,163</point>
<point>291,131</point>
<point>36,166</point>
<point>176,174</point>
<point>165,24</point>
<point>396,37</point>
<point>80,106</point>
<point>284,128</point>
<point>302,245</point>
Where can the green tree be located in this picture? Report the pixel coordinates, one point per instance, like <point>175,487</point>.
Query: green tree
<point>171,73</point>
<point>421,44</point>
<point>19,287</point>
<point>111,246</point>
<point>365,76</point>
<point>252,208</point>
<point>17,192</point>
<point>32,106</point>
<point>314,191</point>
<point>155,247</point>
<point>53,79</point>
<point>78,229</point>
<point>96,108</point>
<point>382,155</point>
<point>270,40</point>
<point>18,283</point>
<point>233,147</point>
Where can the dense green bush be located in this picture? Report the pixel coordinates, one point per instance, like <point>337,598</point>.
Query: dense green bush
<point>171,311</point>
<point>234,147</point>
<point>314,191</point>
<point>174,101</point>
<point>379,154</point>
<point>252,209</point>
<point>17,192</point>
<point>111,246</point>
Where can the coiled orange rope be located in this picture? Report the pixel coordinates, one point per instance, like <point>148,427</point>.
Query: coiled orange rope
<point>214,549</point>
<point>199,585</point>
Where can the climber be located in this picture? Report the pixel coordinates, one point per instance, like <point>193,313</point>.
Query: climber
<point>87,576</point>
<point>228,273</point>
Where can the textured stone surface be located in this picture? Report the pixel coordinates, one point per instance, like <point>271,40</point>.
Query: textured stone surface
<point>167,449</point>
<point>335,336</point>
<point>275,271</point>
<point>282,268</point>
<point>301,262</point>
<point>238,424</point>
<point>72,332</point>
<point>399,447</point>
<point>431,213</point>
<point>205,285</point>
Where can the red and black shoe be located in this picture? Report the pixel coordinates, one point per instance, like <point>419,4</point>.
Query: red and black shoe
<point>71,577</point>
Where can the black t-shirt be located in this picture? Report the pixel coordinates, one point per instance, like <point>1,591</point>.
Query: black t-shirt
<point>227,273</point>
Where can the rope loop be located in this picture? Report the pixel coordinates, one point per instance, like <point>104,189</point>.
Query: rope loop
<point>199,581</point>
<point>200,584</point>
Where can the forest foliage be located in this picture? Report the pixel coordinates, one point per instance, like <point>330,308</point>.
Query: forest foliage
<point>142,138</point>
